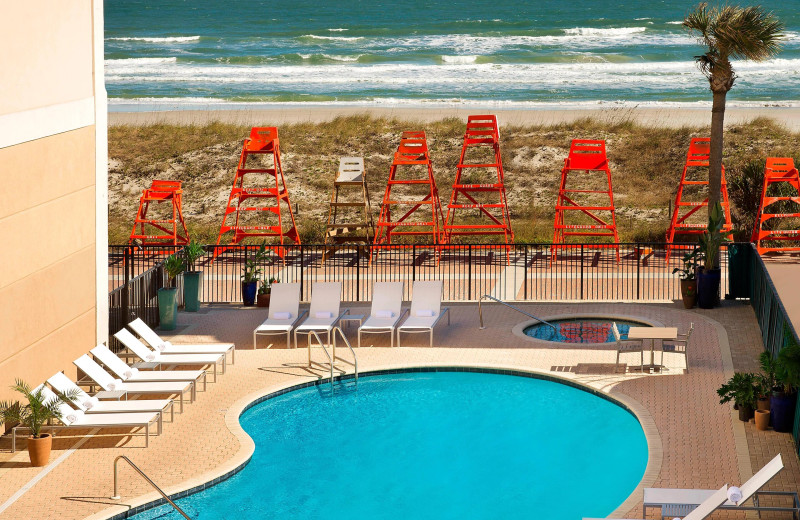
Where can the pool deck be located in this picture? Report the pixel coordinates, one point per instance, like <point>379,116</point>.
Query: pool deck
<point>694,441</point>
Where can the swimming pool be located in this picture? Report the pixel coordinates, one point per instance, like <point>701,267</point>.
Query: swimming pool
<point>582,329</point>
<point>431,445</point>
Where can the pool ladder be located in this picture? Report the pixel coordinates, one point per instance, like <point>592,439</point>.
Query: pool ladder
<point>332,356</point>
<point>480,311</point>
<point>149,481</point>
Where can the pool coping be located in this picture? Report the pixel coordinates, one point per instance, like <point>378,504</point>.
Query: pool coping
<point>519,328</point>
<point>247,447</point>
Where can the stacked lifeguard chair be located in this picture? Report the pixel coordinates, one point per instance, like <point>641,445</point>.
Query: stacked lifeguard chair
<point>472,191</point>
<point>587,162</point>
<point>270,200</point>
<point>695,173</point>
<point>166,228</point>
<point>779,171</point>
<point>349,221</point>
<point>420,211</point>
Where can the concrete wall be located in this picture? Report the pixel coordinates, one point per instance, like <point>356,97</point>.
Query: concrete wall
<point>52,204</point>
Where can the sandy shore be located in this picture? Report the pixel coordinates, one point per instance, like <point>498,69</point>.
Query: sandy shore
<point>655,117</point>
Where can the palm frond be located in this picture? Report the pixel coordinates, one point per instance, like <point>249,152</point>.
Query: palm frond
<point>749,33</point>
<point>699,21</point>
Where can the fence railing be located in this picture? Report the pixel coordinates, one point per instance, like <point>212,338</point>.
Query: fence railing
<point>777,331</point>
<point>523,272</point>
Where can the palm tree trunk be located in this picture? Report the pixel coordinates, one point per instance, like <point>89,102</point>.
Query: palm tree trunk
<point>715,158</point>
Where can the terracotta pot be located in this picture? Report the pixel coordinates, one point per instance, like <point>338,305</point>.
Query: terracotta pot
<point>763,403</point>
<point>262,300</point>
<point>689,293</point>
<point>39,450</point>
<point>762,420</point>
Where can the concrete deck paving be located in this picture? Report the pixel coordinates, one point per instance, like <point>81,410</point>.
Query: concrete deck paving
<point>693,440</point>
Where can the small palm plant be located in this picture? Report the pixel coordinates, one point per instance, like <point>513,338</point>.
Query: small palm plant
<point>193,251</point>
<point>729,32</point>
<point>173,266</point>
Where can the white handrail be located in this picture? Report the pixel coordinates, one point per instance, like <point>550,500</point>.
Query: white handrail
<point>321,344</point>
<point>346,342</point>
<point>149,481</point>
<point>480,311</point>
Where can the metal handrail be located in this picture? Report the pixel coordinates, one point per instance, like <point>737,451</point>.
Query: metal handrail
<point>346,342</point>
<point>321,344</point>
<point>149,481</point>
<point>480,311</point>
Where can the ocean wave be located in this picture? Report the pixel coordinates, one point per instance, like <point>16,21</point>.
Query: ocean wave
<point>167,39</point>
<point>676,22</point>
<point>338,30</point>
<point>332,57</point>
<point>331,38</point>
<point>461,60</point>
<point>140,62</point>
<point>595,31</point>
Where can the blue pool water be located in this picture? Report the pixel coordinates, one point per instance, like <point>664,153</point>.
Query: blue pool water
<point>431,445</point>
<point>581,330</point>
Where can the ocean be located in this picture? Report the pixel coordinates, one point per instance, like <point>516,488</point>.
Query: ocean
<point>191,54</point>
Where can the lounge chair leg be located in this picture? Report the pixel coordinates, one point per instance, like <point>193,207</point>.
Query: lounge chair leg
<point>172,411</point>
<point>193,388</point>
<point>147,435</point>
<point>431,345</point>
<point>205,381</point>
<point>160,423</point>
<point>215,371</point>
<point>224,364</point>
<point>398,338</point>
<point>233,355</point>
<point>255,343</point>
<point>359,339</point>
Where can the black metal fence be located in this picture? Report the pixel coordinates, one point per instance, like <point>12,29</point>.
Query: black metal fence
<point>777,331</point>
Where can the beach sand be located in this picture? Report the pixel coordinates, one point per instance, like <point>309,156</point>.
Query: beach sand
<point>653,117</point>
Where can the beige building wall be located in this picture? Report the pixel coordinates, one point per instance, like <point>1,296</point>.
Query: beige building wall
<point>53,161</point>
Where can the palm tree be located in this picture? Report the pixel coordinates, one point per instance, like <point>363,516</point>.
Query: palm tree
<point>729,32</point>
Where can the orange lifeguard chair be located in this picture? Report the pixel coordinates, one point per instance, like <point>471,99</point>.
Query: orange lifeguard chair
<point>480,157</point>
<point>681,224</point>
<point>262,144</point>
<point>778,170</point>
<point>586,157</point>
<point>169,230</point>
<point>413,160</point>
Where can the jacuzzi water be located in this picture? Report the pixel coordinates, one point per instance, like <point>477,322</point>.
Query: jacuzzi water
<point>581,330</point>
<point>436,445</point>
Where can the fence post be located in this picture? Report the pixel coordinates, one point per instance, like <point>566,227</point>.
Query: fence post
<point>301,272</point>
<point>469,274</point>
<point>525,275</point>
<point>581,271</point>
<point>126,302</point>
<point>413,262</point>
<point>358,271</point>
<point>638,272</point>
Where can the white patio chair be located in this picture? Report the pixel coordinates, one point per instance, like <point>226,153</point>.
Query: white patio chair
<point>628,345</point>
<point>284,313</point>
<point>678,346</point>
<point>667,498</point>
<point>700,512</point>
<point>63,385</point>
<point>147,355</point>
<point>133,375</point>
<point>107,382</point>
<point>386,311</point>
<point>71,418</point>
<point>157,343</point>
<point>324,311</point>
<point>426,309</point>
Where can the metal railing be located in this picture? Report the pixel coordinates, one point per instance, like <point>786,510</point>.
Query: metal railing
<point>346,342</point>
<point>149,481</point>
<point>321,344</point>
<point>480,311</point>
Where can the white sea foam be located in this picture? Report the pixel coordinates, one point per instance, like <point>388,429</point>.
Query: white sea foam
<point>338,30</point>
<point>139,62</point>
<point>676,22</point>
<point>595,31</point>
<point>333,38</point>
<point>168,39</point>
<point>334,57</point>
<point>462,60</point>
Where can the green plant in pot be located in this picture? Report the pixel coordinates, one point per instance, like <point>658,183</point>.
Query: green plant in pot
<point>168,296</point>
<point>34,414</point>
<point>251,274</point>
<point>787,373</point>
<point>192,277</point>
<point>708,276</point>
<point>688,279</point>
<point>742,390</point>
<point>265,292</point>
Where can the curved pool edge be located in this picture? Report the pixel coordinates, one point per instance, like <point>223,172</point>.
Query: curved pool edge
<point>247,446</point>
<point>518,330</point>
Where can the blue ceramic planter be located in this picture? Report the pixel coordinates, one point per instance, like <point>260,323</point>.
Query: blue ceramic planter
<point>249,292</point>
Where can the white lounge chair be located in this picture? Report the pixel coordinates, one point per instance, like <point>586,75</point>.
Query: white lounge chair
<point>386,311</point>
<point>71,418</point>
<point>107,382</point>
<point>667,498</point>
<point>157,343</point>
<point>324,312</point>
<point>131,374</point>
<point>147,355</point>
<point>284,313</point>
<point>63,385</point>
<point>700,512</point>
<point>426,309</point>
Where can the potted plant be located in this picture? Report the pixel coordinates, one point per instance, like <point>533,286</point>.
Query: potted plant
<point>33,415</point>
<point>766,381</point>
<point>708,277</point>
<point>251,273</point>
<point>741,389</point>
<point>191,278</point>
<point>787,373</point>
<point>264,292</point>
<point>688,279</point>
<point>168,296</point>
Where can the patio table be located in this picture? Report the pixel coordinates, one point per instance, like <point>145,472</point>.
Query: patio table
<point>653,334</point>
